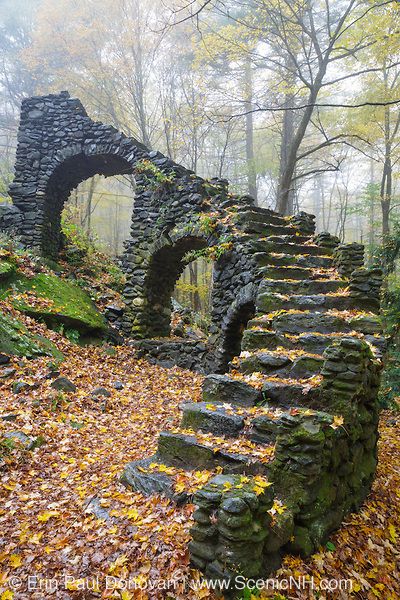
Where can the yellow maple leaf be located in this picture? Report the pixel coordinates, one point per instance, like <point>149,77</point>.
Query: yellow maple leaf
<point>180,487</point>
<point>10,486</point>
<point>44,517</point>
<point>121,560</point>
<point>7,595</point>
<point>337,422</point>
<point>35,538</point>
<point>260,483</point>
<point>15,561</point>
<point>392,533</point>
<point>132,514</point>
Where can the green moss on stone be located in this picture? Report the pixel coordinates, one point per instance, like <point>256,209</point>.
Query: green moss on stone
<point>71,305</point>
<point>7,268</point>
<point>16,340</point>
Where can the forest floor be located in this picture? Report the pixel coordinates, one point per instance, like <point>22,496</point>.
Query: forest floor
<point>48,531</point>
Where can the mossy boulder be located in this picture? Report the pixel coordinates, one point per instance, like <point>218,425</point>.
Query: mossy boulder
<point>58,302</point>
<point>7,268</point>
<point>16,340</point>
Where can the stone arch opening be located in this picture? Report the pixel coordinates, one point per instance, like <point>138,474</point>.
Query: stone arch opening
<point>233,334</point>
<point>240,312</point>
<point>165,268</point>
<point>65,178</point>
<point>193,290</point>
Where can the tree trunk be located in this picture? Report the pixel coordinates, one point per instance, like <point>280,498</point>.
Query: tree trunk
<point>89,205</point>
<point>386,181</point>
<point>371,212</point>
<point>196,300</point>
<point>286,140</point>
<point>251,168</point>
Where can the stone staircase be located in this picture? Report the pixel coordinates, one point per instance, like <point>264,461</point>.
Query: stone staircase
<point>296,417</point>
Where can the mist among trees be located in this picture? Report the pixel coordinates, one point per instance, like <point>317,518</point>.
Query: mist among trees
<point>261,93</point>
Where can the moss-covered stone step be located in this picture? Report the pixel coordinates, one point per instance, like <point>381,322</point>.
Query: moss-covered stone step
<point>186,452</point>
<point>7,268</point>
<point>288,260</point>
<point>266,428</point>
<point>286,273</point>
<point>300,287</point>
<point>213,418</point>
<point>222,388</point>
<point>259,215</point>
<point>279,246</point>
<point>268,302</point>
<point>261,428</point>
<point>140,477</point>
<point>280,364</point>
<point>291,238</point>
<point>320,322</point>
<point>296,248</point>
<point>266,229</point>
<point>16,340</point>
<point>288,394</point>
<point>256,339</point>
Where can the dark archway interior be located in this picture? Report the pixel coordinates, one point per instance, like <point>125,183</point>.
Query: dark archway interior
<point>165,268</point>
<point>233,333</point>
<point>64,179</point>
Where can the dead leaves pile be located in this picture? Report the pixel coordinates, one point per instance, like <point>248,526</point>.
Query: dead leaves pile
<point>53,500</point>
<point>50,499</point>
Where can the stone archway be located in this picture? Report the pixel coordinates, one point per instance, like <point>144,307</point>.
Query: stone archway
<point>163,271</point>
<point>240,312</point>
<point>174,211</point>
<point>66,177</point>
<point>59,146</point>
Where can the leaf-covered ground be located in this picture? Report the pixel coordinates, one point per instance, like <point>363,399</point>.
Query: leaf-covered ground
<point>48,497</point>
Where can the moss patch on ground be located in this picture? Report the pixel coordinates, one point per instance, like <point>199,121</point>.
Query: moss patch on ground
<point>53,300</point>
<point>16,340</point>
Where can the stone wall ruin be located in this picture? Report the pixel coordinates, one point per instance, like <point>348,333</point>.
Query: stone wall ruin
<point>286,434</point>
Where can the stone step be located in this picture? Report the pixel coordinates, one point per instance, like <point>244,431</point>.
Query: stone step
<point>318,322</point>
<point>256,339</point>
<point>266,229</point>
<point>278,245</point>
<point>297,248</point>
<point>260,215</point>
<point>222,388</point>
<point>260,428</point>
<point>287,394</point>
<point>280,364</point>
<point>291,238</point>
<point>286,273</point>
<point>270,302</point>
<point>140,477</point>
<point>219,419</point>
<point>187,452</point>
<point>265,259</point>
<point>306,286</point>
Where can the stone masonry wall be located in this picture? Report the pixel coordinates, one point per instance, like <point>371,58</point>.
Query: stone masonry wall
<point>175,213</point>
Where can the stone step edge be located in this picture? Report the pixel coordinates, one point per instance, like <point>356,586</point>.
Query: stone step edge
<point>323,337</point>
<point>231,462</point>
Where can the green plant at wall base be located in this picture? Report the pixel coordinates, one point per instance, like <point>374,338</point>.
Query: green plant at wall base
<point>146,167</point>
<point>75,236</point>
